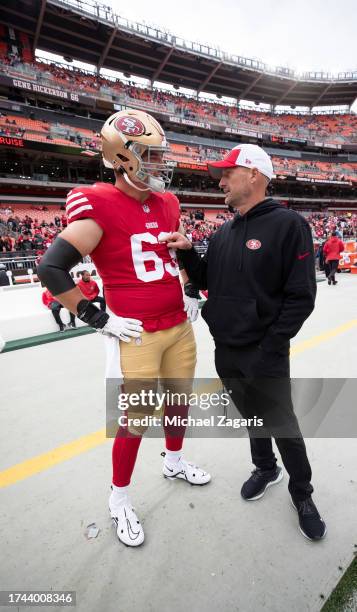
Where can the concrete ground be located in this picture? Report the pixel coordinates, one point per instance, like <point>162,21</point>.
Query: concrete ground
<point>205,548</point>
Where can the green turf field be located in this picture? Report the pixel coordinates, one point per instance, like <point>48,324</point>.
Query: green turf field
<point>344,597</point>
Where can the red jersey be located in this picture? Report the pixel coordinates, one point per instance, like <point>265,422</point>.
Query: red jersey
<point>140,276</point>
<point>332,248</point>
<point>89,288</point>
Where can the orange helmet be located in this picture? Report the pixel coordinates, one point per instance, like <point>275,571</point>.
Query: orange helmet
<point>134,143</point>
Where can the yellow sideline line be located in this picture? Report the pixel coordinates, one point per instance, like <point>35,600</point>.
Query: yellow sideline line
<point>39,463</point>
<point>316,340</point>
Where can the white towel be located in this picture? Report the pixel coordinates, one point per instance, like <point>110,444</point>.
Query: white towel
<point>112,351</point>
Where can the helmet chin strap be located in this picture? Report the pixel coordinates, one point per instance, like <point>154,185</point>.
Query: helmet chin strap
<point>127,180</point>
<point>156,185</point>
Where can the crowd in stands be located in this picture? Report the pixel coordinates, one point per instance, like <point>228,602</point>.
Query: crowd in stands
<point>199,226</point>
<point>15,126</point>
<point>26,232</point>
<point>315,169</point>
<point>322,225</point>
<point>31,129</point>
<point>34,233</point>
<point>333,129</point>
<point>282,165</point>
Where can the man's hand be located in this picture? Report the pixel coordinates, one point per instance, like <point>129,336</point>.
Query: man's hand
<point>176,240</point>
<point>122,328</point>
<point>191,307</point>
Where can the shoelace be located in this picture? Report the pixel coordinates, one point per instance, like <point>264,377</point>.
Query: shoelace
<point>307,507</point>
<point>257,473</point>
<point>184,465</point>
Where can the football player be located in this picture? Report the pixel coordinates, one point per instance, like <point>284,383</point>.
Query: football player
<point>121,225</point>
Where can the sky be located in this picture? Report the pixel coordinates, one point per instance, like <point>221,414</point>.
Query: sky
<point>299,34</point>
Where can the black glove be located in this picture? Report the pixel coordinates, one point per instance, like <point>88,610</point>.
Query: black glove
<point>191,290</point>
<point>90,314</point>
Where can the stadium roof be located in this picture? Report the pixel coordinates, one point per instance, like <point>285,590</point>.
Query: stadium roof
<point>90,32</point>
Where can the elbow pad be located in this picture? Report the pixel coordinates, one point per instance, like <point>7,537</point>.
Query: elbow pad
<point>53,269</point>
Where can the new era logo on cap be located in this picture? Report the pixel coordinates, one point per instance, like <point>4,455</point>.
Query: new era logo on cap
<point>247,155</point>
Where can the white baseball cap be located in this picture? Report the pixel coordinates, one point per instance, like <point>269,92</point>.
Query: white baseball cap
<point>247,155</point>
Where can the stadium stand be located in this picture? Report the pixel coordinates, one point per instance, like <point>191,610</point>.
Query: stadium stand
<point>42,131</point>
<point>37,227</point>
<point>313,170</point>
<point>334,129</point>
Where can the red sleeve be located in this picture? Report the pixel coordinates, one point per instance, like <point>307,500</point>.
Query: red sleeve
<point>84,289</point>
<point>82,203</point>
<point>342,246</point>
<point>46,298</point>
<point>95,289</point>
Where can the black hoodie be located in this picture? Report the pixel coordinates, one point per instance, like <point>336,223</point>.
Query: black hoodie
<point>260,274</point>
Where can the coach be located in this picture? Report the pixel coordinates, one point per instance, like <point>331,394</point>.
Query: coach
<point>260,275</point>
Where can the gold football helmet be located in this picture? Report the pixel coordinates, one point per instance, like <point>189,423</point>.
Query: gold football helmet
<point>134,143</point>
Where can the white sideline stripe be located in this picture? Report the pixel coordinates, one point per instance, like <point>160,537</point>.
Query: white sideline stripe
<point>76,202</point>
<point>71,195</point>
<point>78,210</point>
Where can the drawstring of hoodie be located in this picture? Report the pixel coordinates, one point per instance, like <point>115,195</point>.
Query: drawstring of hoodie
<point>245,225</point>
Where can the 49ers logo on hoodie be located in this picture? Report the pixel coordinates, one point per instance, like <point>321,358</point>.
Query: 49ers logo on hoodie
<point>253,244</point>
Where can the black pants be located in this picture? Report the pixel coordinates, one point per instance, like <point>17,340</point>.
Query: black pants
<point>99,300</point>
<point>55,308</point>
<point>333,265</point>
<point>267,395</point>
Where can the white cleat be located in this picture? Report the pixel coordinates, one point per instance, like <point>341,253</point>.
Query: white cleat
<point>129,528</point>
<point>186,471</point>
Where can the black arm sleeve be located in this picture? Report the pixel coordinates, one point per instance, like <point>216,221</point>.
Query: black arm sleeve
<point>190,288</point>
<point>53,269</point>
<point>195,266</point>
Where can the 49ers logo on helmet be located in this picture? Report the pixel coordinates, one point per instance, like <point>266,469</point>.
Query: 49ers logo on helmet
<point>253,244</point>
<point>130,126</point>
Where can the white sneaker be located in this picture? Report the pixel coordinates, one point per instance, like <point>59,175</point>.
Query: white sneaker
<point>129,529</point>
<point>187,471</point>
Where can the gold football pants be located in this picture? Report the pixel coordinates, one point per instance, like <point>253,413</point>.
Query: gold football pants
<point>168,356</point>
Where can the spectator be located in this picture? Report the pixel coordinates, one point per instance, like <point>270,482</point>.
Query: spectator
<point>90,289</point>
<point>332,249</point>
<point>8,244</point>
<point>50,301</point>
<point>4,279</point>
<point>26,244</point>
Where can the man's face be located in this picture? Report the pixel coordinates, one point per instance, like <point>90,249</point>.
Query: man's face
<point>86,277</point>
<point>154,157</point>
<point>238,184</point>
